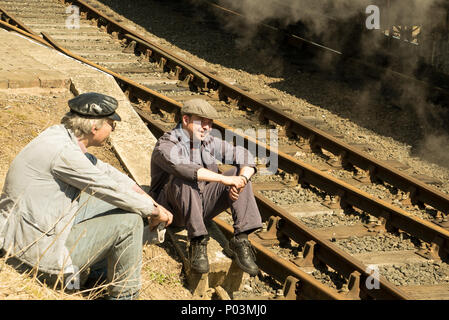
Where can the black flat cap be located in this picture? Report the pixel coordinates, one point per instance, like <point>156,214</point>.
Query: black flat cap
<point>95,105</point>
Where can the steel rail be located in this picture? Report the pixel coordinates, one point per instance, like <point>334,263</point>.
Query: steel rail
<point>419,192</point>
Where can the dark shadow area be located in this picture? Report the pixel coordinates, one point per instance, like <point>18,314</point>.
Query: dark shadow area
<point>400,111</point>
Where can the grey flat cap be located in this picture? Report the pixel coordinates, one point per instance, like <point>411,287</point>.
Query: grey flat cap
<point>95,105</point>
<point>199,107</point>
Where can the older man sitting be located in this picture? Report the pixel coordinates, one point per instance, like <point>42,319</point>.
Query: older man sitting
<point>62,210</point>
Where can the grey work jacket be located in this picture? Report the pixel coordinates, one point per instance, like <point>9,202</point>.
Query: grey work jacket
<point>39,200</point>
<point>174,155</point>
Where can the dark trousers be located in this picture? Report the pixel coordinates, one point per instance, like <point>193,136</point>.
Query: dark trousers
<point>194,202</point>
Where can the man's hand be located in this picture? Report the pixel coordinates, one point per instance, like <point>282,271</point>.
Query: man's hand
<point>234,181</point>
<point>234,193</point>
<point>163,216</point>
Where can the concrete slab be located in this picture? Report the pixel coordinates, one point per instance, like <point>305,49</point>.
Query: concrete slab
<point>396,164</point>
<point>363,147</point>
<point>390,258</point>
<point>53,79</point>
<point>427,179</point>
<point>307,209</point>
<point>429,292</point>
<point>4,82</point>
<point>344,232</point>
<point>22,79</point>
<point>271,186</point>
<point>289,149</point>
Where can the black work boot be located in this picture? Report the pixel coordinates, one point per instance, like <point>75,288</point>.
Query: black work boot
<point>243,253</point>
<point>198,254</point>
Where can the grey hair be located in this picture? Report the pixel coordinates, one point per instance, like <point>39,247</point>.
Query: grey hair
<point>81,126</point>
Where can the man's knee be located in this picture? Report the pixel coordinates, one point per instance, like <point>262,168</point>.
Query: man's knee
<point>231,172</point>
<point>131,222</point>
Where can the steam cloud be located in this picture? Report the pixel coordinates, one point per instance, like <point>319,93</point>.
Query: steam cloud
<point>332,22</point>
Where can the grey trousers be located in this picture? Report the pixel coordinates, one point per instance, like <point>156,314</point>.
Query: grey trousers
<point>103,232</point>
<point>194,202</point>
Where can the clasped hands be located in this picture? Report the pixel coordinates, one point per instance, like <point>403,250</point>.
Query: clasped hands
<point>237,183</point>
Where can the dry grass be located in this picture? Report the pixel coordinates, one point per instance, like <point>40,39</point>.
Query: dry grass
<point>23,286</point>
<point>162,279</point>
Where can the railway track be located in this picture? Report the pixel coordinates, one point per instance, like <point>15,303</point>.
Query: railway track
<point>157,81</point>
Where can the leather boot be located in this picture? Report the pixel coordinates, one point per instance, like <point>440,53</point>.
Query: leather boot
<point>198,255</point>
<point>244,255</point>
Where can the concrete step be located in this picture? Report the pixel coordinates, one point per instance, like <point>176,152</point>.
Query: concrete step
<point>93,47</point>
<point>69,36</point>
<point>429,292</point>
<point>301,210</point>
<point>387,258</point>
<point>59,33</point>
<point>107,55</point>
<point>153,80</point>
<point>223,272</point>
